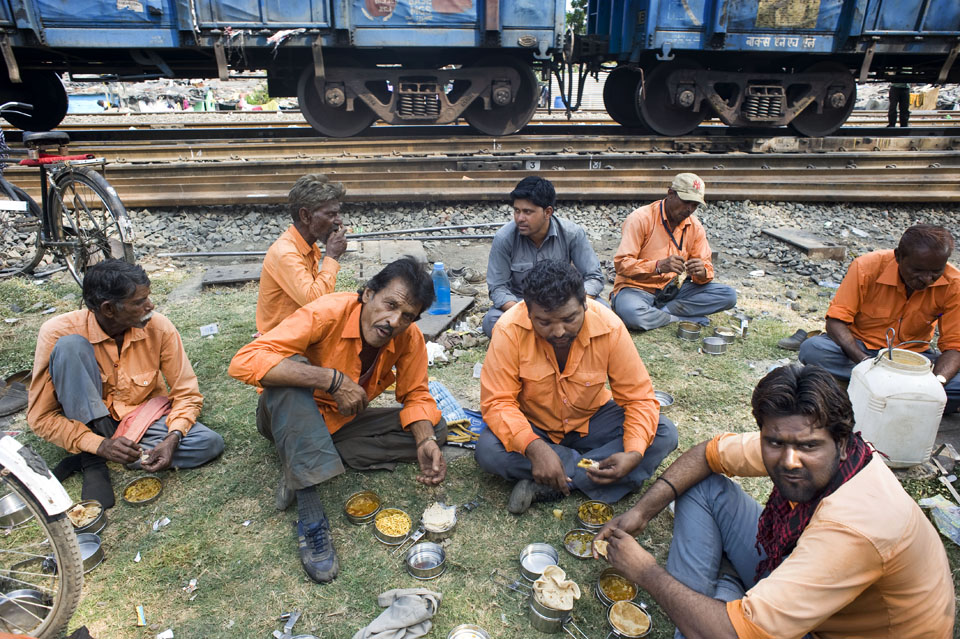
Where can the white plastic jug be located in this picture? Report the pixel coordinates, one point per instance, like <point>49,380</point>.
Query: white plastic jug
<point>897,405</point>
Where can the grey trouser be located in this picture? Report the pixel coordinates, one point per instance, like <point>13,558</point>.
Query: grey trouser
<point>823,351</point>
<point>494,314</point>
<point>76,381</point>
<point>604,438</point>
<point>694,301</point>
<point>288,416</point>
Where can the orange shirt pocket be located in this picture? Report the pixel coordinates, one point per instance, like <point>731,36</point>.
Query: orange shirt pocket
<point>141,387</point>
<point>875,321</point>
<point>585,389</point>
<point>538,384</point>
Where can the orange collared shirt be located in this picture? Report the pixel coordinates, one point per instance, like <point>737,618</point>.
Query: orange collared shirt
<point>128,380</point>
<point>521,383</point>
<point>869,564</point>
<point>644,241</point>
<point>289,278</point>
<point>873,298</point>
<point>327,332</point>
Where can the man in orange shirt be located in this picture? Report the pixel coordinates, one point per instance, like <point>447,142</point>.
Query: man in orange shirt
<point>543,395</point>
<point>840,549</point>
<point>97,388</point>
<point>290,277</point>
<point>319,368</point>
<point>912,290</point>
<point>660,243</point>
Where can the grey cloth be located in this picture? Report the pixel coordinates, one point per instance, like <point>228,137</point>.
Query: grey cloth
<point>695,301</point>
<point>407,615</point>
<point>309,454</point>
<point>76,382</point>
<point>512,256</point>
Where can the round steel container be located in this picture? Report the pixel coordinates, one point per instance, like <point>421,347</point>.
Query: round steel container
<point>97,524</point>
<point>21,608</point>
<point>714,345</point>
<point>391,540</point>
<point>545,619</point>
<point>135,482</point>
<point>13,511</point>
<point>665,399</point>
<point>725,333</point>
<point>579,542</point>
<point>618,632</point>
<point>535,557</point>
<point>602,586</point>
<point>587,508</point>
<point>354,501</point>
<point>468,631</point>
<point>688,331</point>
<point>426,560</point>
<point>91,551</point>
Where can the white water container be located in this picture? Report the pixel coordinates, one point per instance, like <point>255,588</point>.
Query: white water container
<point>897,405</point>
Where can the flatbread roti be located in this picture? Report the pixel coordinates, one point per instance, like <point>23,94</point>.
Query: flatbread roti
<point>601,547</point>
<point>588,463</point>
<point>627,618</point>
<point>554,590</point>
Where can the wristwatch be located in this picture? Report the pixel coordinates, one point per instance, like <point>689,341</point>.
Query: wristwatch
<point>941,379</point>
<point>428,439</point>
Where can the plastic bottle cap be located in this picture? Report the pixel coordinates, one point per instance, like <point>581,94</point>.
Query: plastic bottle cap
<point>438,264</point>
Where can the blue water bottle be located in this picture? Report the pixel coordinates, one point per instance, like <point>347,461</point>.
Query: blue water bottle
<point>441,291</point>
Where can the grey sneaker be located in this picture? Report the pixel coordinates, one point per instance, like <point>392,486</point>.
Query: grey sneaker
<point>284,495</point>
<point>317,555</point>
<point>526,492</point>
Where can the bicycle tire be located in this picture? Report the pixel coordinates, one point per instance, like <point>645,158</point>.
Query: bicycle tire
<point>65,575</point>
<point>89,214</point>
<point>12,260</point>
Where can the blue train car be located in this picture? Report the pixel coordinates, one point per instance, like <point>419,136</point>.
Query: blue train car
<point>762,62</point>
<point>349,62</point>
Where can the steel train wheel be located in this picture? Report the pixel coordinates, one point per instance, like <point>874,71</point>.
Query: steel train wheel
<point>656,109</point>
<point>43,90</point>
<point>40,564</point>
<point>90,216</point>
<point>812,124</point>
<point>335,122</point>
<point>620,97</point>
<point>510,118</point>
<point>20,244</point>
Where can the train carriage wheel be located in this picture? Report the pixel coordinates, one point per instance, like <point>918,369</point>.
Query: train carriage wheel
<point>620,97</point>
<point>510,118</point>
<point>815,125</point>
<point>335,122</point>
<point>656,108</point>
<point>41,89</point>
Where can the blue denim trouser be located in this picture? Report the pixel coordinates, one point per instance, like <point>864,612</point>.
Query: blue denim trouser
<point>604,438</point>
<point>695,301</point>
<point>76,381</point>
<point>823,351</point>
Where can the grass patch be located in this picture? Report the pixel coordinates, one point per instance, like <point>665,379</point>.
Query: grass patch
<point>249,574</point>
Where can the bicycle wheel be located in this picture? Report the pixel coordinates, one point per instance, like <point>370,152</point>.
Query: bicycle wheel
<point>41,572</point>
<point>21,249</point>
<point>91,221</point>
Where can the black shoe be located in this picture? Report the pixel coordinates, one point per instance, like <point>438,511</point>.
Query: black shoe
<point>317,554</point>
<point>13,398</point>
<point>96,480</point>
<point>283,497</point>
<point>526,492</point>
<point>66,467</point>
<point>793,342</point>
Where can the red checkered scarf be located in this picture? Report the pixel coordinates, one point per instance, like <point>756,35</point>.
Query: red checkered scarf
<point>781,526</point>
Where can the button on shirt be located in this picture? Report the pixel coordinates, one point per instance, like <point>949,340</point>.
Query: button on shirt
<point>152,359</point>
<point>869,564</point>
<point>327,332</point>
<point>521,382</point>
<point>873,298</point>
<point>644,241</point>
<point>512,256</point>
<point>290,278</point>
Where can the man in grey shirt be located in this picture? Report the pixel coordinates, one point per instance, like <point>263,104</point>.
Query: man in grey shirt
<point>535,235</point>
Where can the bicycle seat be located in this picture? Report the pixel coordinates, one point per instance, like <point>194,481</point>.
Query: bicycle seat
<point>45,139</point>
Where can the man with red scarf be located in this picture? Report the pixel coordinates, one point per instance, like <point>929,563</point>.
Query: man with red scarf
<point>839,550</point>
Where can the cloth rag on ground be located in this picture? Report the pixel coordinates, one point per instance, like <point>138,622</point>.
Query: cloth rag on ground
<point>449,407</point>
<point>407,615</point>
<point>136,423</point>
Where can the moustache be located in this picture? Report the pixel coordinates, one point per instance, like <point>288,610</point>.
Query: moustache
<point>146,318</point>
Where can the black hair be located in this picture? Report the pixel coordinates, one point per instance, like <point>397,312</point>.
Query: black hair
<point>934,238</point>
<point>111,281</point>
<point>310,191</point>
<point>810,391</point>
<point>538,190</point>
<point>551,283</point>
<point>418,282</point>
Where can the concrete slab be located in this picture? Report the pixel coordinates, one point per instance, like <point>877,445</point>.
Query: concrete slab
<point>432,325</point>
<point>234,274</point>
<point>815,247</point>
<point>188,290</point>
<point>391,250</point>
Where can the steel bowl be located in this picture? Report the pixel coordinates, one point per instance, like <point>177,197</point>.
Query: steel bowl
<point>584,509</point>
<point>13,511</point>
<point>468,631</point>
<point>725,333</point>
<point>91,550</point>
<point>439,534</point>
<point>426,560</point>
<point>95,526</point>
<point>23,608</point>
<point>665,399</point>
<point>616,631</point>
<point>391,540</point>
<point>546,619</point>
<point>602,589</point>
<point>535,558</point>
<point>688,331</point>
<point>579,542</point>
<point>354,499</point>
<point>714,345</point>
<point>137,482</point>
